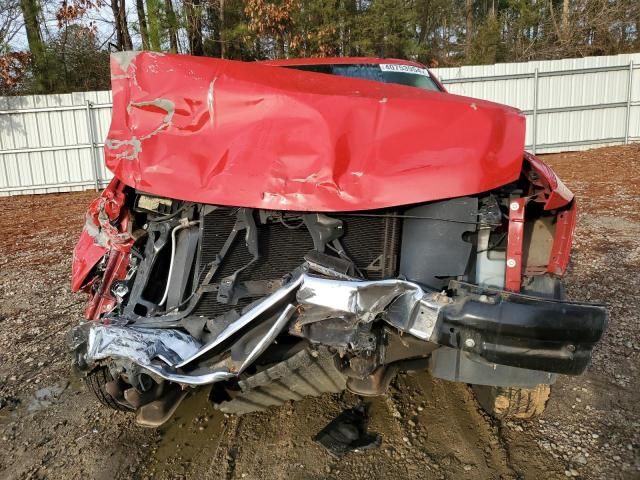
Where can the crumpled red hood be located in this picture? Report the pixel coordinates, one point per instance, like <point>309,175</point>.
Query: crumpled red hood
<point>244,134</point>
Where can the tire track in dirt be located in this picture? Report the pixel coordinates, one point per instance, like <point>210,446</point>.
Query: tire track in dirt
<point>431,429</point>
<point>460,436</point>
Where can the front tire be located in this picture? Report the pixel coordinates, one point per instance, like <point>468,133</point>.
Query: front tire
<point>96,381</point>
<point>512,403</point>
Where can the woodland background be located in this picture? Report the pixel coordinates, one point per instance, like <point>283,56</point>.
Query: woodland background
<point>57,46</point>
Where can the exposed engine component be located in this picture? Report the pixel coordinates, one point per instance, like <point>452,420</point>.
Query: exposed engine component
<point>217,296</point>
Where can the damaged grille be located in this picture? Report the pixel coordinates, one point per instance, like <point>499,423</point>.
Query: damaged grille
<point>371,242</point>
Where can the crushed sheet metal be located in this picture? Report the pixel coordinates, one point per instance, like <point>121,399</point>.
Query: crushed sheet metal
<point>561,248</point>
<point>275,138</point>
<point>408,307</point>
<point>269,337</point>
<point>275,299</point>
<point>418,319</point>
<point>194,380</point>
<point>365,299</point>
<point>556,193</point>
<point>140,345</point>
<point>99,235</point>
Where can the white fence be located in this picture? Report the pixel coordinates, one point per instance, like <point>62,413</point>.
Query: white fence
<point>571,104</point>
<point>53,143</point>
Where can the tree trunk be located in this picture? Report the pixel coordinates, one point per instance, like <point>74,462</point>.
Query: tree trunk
<point>193,12</point>
<point>154,24</point>
<point>468,26</point>
<point>172,26</point>
<point>123,39</point>
<point>565,20</point>
<point>223,49</point>
<point>115,8</point>
<point>142,21</point>
<point>280,45</point>
<point>127,44</point>
<point>31,13</point>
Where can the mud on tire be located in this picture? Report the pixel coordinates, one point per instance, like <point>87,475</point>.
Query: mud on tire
<point>509,402</point>
<point>96,381</point>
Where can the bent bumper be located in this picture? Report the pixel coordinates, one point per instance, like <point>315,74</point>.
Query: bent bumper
<point>521,331</point>
<point>500,327</point>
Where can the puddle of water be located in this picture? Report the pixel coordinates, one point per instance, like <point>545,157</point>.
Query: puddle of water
<point>76,381</point>
<point>44,397</point>
<point>8,405</point>
<point>196,427</point>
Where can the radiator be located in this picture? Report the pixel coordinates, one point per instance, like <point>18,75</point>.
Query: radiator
<point>371,242</point>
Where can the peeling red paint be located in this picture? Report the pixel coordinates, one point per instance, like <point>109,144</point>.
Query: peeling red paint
<point>513,272</point>
<point>563,240</point>
<point>105,233</point>
<point>252,135</point>
<point>554,193</point>
<point>86,255</point>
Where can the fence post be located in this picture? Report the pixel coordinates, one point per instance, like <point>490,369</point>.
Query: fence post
<point>94,163</point>
<point>627,120</point>
<point>534,129</point>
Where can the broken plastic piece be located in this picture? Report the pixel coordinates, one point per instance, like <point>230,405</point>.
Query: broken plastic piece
<point>348,432</point>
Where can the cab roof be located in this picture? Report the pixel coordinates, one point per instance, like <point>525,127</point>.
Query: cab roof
<point>338,60</point>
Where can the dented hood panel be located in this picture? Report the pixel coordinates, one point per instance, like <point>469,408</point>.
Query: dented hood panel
<point>244,134</point>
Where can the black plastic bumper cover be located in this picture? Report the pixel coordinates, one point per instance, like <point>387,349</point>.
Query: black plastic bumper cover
<point>521,331</point>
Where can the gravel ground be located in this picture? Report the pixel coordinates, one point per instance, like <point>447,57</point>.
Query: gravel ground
<point>51,427</point>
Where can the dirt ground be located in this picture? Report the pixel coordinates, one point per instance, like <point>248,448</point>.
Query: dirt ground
<point>51,427</point>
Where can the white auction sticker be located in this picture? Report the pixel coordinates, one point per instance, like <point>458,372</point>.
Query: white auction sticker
<point>400,67</point>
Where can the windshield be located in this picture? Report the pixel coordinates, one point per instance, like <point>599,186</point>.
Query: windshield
<point>402,74</point>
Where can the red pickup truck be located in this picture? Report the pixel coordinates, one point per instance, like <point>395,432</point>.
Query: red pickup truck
<point>281,229</point>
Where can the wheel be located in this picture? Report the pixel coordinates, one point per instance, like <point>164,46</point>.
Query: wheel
<point>97,381</point>
<point>508,402</point>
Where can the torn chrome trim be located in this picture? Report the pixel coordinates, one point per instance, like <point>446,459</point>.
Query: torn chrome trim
<point>191,380</point>
<point>406,305</point>
<point>269,337</point>
<point>273,300</point>
<point>139,345</point>
<point>142,346</point>
<point>403,304</point>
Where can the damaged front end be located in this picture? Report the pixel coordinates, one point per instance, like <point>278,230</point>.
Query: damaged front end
<point>264,305</point>
<point>188,295</point>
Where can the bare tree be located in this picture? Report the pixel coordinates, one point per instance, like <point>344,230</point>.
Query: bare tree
<point>153,13</point>
<point>10,21</point>
<point>193,14</point>
<point>123,38</point>
<point>31,12</point>
<point>172,25</point>
<point>468,7</point>
<point>565,20</point>
<point>142,22</point>
<point>221,26</point>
